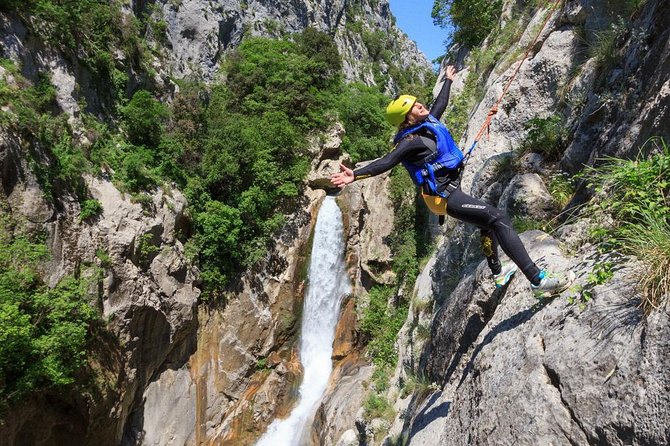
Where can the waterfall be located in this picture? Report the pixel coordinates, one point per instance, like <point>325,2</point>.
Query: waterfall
<point>328,284</point>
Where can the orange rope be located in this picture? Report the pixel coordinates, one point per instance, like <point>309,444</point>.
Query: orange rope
<point>494,109</point>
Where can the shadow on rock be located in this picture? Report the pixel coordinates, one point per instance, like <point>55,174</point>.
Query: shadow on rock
<point>508,324</point>
<point>429,414</point>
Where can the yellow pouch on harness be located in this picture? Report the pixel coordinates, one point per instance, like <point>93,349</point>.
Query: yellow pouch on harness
<point>436,204</point>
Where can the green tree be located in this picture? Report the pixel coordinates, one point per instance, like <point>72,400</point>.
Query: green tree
<point>361,110</point>
<point>43,331</point>
<point>143,119</point>
<point>472,20</point>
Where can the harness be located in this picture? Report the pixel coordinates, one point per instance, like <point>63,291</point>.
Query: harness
<point>447,157</point>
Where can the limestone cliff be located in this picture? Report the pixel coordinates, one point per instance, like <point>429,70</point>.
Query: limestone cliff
<point>199,32</point>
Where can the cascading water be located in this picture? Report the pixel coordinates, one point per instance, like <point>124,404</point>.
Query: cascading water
<point>328,284</point>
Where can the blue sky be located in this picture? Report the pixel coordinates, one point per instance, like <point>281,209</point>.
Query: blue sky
<point>413,17</point>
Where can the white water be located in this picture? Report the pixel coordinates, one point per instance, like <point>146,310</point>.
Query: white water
<point>328,284</point>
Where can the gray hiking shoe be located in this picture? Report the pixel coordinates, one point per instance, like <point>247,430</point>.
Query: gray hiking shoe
<point>552,284</point>
<point>506,274</point>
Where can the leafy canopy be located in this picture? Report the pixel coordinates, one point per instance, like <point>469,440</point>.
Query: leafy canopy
<point>472,20</point>
<point>43,331</point>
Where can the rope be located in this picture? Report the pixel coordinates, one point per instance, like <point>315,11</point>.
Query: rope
<point>494,109</point>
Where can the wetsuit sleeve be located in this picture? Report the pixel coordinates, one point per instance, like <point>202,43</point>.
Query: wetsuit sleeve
<point>440,104</point>
<point>383,164</point>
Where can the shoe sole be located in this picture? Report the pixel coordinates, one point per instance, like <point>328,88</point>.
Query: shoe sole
<point>508,277</point>
<point>571,278</point>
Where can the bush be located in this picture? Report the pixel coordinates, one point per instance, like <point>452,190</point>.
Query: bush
<point>361,110</point>
<point>561,188</point>
<point>649,240</point>
<point>545,135</point>
<point>89,208</point>
<point>382,323</point>
<point>378,406</point>
<point>143,119</point>
<point>472,20</point>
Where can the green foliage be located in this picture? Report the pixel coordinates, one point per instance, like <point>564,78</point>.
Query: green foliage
<point>326,63</point>
<point>523,224</point>
<point>134,168</point>
<point>143,119</point>
<point>631,189</point>
<point>43,331</point>
<point>262,364</point>
<point>382,323</point>
<point>409,241</point>
<point>636,194</point>
<point>649,240</point>
<point>599,275</point>
<point>378,406</point>
<point>147,249</point>
<point>51,153</point>
<point>278,75</point>
<point>71,163</point>
<point>361,111</point>
<point>418,385</point>
<point>105,259</point>
<point>254,148</point>
<point>89,208</point>
<point>90,29</point>
<point>461,105</point>
<point>605,47</point>
<point>561,188</point>
<point>375,42</point>
<point>472,20</point>
<point>545,135</point>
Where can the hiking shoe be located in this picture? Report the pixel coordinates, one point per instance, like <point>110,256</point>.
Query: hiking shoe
<point>552,284</point>
<point>506,274</point>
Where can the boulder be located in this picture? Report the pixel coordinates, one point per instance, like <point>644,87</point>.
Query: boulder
<point>527,196</point>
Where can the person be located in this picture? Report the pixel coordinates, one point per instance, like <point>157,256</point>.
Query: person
<point>427,150</point>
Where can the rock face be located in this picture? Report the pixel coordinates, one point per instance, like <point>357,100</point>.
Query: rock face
<point>199,32</point>
<point>515,370</point>
<point>147,295</point>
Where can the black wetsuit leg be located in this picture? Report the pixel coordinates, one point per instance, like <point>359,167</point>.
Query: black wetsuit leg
<point>470,210</point>
<point>490,250</point>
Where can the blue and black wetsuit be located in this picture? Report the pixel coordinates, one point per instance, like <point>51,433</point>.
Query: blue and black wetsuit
<point>496,226</point>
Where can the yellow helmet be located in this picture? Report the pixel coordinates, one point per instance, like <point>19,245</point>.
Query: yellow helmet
<point>398,109</point>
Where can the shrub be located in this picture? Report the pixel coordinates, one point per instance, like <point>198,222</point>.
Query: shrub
<point>361,110</point>
<point>377,406</point>
<point>472,20</point>
<point>545,135</point>
<point>382,323</point>
<point>134,171</point>
<point>649,240</point>
<point>561,189</point>
<point>89,208</point>
<point>143,119</point>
